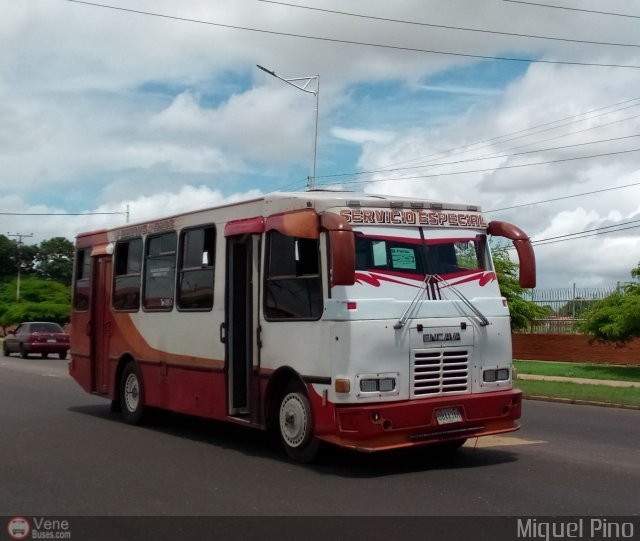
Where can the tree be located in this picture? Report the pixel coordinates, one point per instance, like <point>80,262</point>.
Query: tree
<point>575,307</point>
<point>522,311</point>
<point>12,255</point>
<point>8,252</point>
<point>35,311</point>
<point>54,260</point>
<point>40,300</point>
<point>615,318</point>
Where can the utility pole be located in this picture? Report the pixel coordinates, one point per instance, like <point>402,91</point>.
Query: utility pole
<point>19,243</point>
<point>302,83</point>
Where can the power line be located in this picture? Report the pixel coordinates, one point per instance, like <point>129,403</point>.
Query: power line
<point>538,131</point>
<point>510,137</point>
<point>360,43</point>
<point>487,157</point>
<point>606,230</point>
<point>587,233</point>
<point>502,167</point>
<point>574,9</point>
<point>62,213</point>
<point>447,27</point>
<point>606,124</point>
<point>563,197</point>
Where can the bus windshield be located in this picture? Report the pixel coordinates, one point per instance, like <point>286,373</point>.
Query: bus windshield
<point>445,257</point>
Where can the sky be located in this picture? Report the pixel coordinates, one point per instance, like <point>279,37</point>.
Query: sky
<point>530,111</point>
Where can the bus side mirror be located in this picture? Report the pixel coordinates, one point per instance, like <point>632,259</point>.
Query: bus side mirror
<point>522,244</point>
<point>342,249</point>
<point>343,258</point>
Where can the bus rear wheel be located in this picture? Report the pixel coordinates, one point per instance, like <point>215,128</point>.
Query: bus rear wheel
<point>295,424</point>
<point>131,394</point>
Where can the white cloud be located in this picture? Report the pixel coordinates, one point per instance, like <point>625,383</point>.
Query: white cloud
<point>354,135</point>
<point>453,89</point>
<point>139,209</point>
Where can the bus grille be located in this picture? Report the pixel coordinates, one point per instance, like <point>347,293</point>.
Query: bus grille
<point>440,372</point>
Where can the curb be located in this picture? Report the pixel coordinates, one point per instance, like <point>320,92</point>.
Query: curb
<point>582,381</point>
<point>580,402</point>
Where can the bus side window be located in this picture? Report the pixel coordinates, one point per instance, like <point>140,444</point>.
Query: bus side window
<point>196,269</point>
<point>82,281</point>
<point>127,273</point>
<point>293,286</point>
<point>160,272</point>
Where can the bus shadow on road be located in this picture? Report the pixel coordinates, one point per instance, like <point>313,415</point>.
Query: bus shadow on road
<point>331,460</point>
<point>415,459</point>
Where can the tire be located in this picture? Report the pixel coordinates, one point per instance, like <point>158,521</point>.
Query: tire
<point>62,355</point>
<point>23,352</point>
<point>131,394</point>
<point>5,350</point>
<point>45,355</point>
<point>295,426</point>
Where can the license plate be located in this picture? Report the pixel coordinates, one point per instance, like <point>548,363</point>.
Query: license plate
<point>51,340</point>
<point>448,415</point>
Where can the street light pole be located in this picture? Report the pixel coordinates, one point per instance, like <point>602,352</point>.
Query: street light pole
<point>302,83</point>
<point>19,243</point>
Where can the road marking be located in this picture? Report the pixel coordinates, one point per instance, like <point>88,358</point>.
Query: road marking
<point>499,441</point>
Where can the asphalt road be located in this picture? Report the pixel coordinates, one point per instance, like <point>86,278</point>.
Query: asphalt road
<point>63,453</point>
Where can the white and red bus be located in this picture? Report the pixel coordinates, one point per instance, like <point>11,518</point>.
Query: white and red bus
<point>369,322</point>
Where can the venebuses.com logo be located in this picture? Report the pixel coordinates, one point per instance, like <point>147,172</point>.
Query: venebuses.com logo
<point>38,528</point>
<point>18,528</point>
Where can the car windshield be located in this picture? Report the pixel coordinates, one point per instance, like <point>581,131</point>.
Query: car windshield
<point>45,327</point>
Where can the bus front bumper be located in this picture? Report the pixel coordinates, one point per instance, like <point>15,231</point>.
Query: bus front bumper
<point>392,425</point>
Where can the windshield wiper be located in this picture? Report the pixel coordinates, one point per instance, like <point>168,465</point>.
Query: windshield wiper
<point>483,319</point>
<point>423,287</point>
<point>405,316</point>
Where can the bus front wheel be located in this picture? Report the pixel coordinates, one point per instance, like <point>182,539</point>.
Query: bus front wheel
<point>131,394</point>
<point>295,423</point>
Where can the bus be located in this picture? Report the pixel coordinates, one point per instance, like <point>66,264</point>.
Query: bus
<point>365,321</point>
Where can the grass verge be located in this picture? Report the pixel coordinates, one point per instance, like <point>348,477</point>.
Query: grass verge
<point>579,370</point>
<point>577,391</point>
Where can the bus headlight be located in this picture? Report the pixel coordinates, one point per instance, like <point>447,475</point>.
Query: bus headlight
<point>377,384</point>
<point>493,375</point>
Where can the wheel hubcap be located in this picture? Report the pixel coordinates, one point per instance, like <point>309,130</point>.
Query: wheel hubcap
<point>132,392</point>
<point>293,420</point>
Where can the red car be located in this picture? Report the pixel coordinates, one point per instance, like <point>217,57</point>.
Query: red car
<point>37,337</point>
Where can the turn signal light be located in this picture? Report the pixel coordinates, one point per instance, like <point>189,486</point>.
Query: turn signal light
<point>342,385</point>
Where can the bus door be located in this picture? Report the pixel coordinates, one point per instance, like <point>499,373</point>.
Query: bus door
<point>242,295</point>
<point>100,324</point>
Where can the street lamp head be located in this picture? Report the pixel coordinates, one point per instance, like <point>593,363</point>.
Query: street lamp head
<point>266,70</point>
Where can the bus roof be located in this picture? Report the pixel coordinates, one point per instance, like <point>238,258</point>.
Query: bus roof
<point>319,200</point>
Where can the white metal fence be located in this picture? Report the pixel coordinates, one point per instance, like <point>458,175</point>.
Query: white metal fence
<point>564,306</point>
